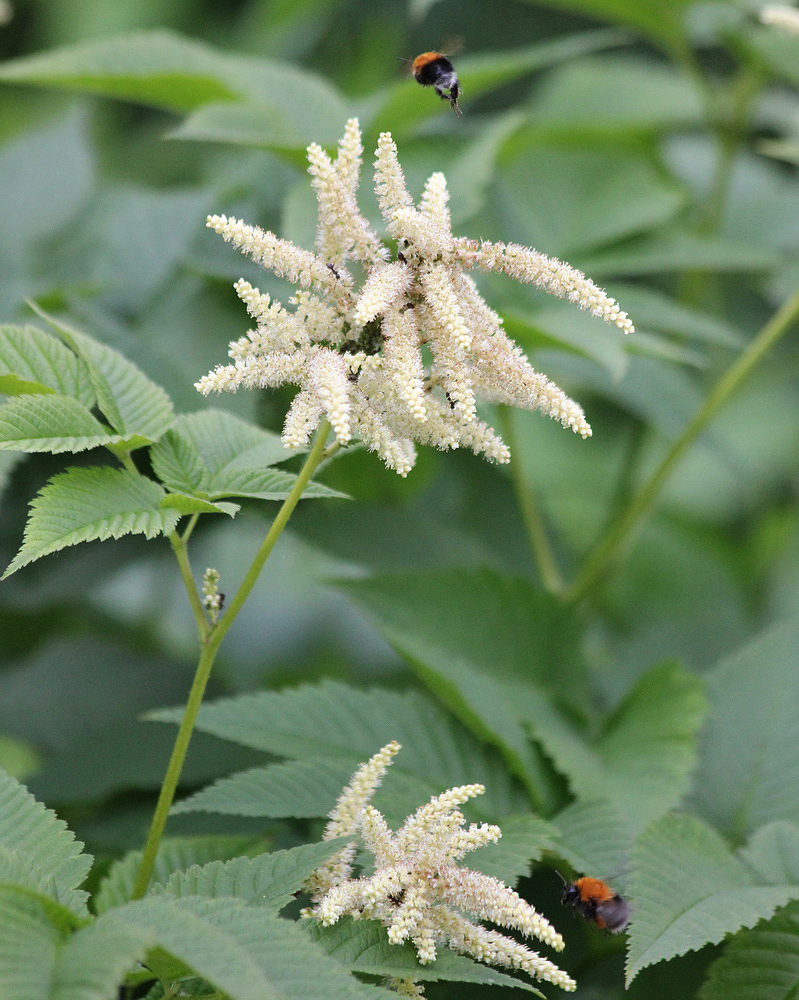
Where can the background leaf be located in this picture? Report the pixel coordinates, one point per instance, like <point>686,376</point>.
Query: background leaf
<point>688,890</point>
<point>43,844</point>
<point>85,504</point>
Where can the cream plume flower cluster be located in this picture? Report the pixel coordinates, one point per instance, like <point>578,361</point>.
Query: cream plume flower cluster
<point>781,16</point>
<point>418,890</point>
<point>402,354</point>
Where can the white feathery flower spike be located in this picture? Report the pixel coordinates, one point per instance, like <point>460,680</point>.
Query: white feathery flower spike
<point>781,16</point>
<point>418,891</point>
<point>402,350</point>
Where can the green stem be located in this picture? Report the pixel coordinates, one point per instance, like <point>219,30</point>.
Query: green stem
<point>600,561</point>
<point>543,554</point>
<point>181,554</point>
<point>211,638</point>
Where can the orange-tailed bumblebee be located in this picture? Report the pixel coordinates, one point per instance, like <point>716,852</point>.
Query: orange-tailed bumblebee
<point>598,903</point>
<point>433,69</point>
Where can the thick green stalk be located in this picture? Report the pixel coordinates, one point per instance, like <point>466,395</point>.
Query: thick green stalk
<point>211,638</point>
<point>600,561</point>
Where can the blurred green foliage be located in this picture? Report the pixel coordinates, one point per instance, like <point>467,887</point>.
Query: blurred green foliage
<point>654,145</point>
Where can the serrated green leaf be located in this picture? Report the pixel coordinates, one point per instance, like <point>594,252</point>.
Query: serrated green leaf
<point>269,880</point>
<point>29,944</point>
<point>39,358</point>
<point>168,71</point>
<point>81,505</point>
<point>244,951</point>
<point>749,765</point>
<point>524,840</point>
<point>135,406</point>
<point>301,788</point>
<point>644,758</point>
<point>336,723</point>
<point>760,964</point>
<point>446,625</point>
<point>13,385</point>
<point>174,854</point>
<point>93,962</point>
<point>193,505</point>
<point>215,454</point>
<point>37,841</point>
<point>51,423</point>
<point>688,890</point>
<point>363,946</point>
<point>594,839</point>
<point>773,853</point>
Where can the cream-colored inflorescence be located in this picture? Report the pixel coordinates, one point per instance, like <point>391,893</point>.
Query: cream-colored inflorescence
<point>781,16</point>
<point>418,891</point>
<point>403,354</point>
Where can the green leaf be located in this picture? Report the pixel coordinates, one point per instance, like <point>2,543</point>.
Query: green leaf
<point>594,839</point>
<point>244,951</point>
<point>660,20</point>
<point>524,840</point>
<point>81,505</point>
<point>616,93</point>
<point>214,454</point>
<point>93,962</point>
<point>655,311</point>
<point>773,853</point>
<point>339,724</point>
<point>39,358</point>
<point>301,788</point>
<point>136,408</point>
<point>193,505</point>
<point>446,624</point>
<point>677,251</point>
<point>174,854</point>
<point>760,964</point>
<point>688,890</point>
<point>167,71</point>
<point>270,880</point>
<point>749,765</point>
<point>643,760</point>
<point>363,946</point>
<point>33,839</point>
<point>33,931</point>
<point>50,423</point>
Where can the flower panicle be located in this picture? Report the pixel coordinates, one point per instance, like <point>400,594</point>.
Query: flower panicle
<point>781,16</point>
<point>418,891</point>
<point>405,354</point>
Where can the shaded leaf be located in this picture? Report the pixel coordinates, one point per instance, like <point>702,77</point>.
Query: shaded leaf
<point>594,839</point>
<point>363,946</point>
<point>446,625</point>
<point>343,725</point>
<point>36,841</point>
<point>643,760</point>
<point>136,407</point>
<point>244,951</point>
<point>36,357</point>
<point>269,880</point>
<point>51,423</point>
<point>758,964</point>
<point>193,505</point>
<point>688,890</point>
<point>749,763</point>
<point>174,854</point>
<point>81,505</point>
<point>215,454</point>
<point>524,840</point>
<point>773,853</point>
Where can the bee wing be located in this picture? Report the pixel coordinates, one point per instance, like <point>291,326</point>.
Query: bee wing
<point>613,915</point>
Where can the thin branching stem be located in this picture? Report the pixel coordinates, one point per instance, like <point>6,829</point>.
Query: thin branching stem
<point>599,563</point>
<point>527,500</point>
<point>211,637</point>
